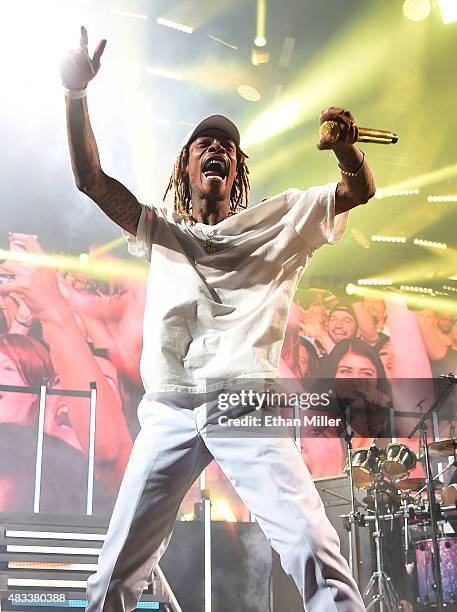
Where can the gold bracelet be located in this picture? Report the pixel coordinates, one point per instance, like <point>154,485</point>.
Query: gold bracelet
<point>359,169</point>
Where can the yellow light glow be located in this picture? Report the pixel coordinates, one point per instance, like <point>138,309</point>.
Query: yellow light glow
<point>448,11</point>
<point>416,10</point>
<point>320,83</point>
<point>423,180</point>
<point>260,40</point>
<point>97,269</point>
<point>221,511</point>
<point>433,302</point>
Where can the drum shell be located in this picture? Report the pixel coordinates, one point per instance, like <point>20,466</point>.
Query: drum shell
<point>425,574</point>
<point>399,461</point>
<point>360,469</point>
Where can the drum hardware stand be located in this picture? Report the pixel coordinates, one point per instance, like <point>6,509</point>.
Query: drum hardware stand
<point>443,471</point>
<point>385,594</point>
<point>355,518</point>
<point>422,427</point>
<point>406,517</point>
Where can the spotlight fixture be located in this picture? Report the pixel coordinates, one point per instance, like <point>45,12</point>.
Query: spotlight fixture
<point>175,25</point>
<point>165,74</point>
<point>417,10</point>
<point>448,11</point>
<point>249,93</point>
<point>260,41</point>
<point>259,57</point>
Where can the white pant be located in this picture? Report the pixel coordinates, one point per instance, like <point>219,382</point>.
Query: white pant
<point>174,445</point>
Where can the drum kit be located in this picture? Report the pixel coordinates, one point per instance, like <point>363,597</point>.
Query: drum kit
<point>392,495</point>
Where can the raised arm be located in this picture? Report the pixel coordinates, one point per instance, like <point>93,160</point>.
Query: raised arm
<point>435,345</point>
<point>116,201</point>
<point>357,185</point>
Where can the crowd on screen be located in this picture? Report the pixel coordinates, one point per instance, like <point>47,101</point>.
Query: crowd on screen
<point>71,329</point>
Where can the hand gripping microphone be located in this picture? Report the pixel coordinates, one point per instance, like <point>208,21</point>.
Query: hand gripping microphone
<point>331,128</point>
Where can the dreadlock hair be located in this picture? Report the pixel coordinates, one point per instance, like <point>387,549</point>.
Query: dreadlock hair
<point>179,183</point>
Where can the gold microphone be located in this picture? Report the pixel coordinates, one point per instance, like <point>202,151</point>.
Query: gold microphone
<point>331,128</point>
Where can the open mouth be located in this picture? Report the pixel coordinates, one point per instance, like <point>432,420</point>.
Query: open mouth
<point>62,418</point>
<point>215,169</point>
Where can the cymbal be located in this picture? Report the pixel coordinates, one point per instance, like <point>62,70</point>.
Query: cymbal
<point>414,484</point>
<point>443,448</point>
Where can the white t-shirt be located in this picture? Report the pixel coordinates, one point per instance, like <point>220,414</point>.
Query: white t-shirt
<point>220,312</point>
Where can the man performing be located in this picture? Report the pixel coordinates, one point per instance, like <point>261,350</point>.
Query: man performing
<point>221,283</point>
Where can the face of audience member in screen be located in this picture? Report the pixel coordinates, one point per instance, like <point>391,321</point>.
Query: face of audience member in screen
<point>341,325</point>
<point>24,362</point>
<point>445,322</point>
<point>385,355</point>
<point>359,378</point>
<point>358,370</point>
<point>57,421</point>
<point>14,407</point>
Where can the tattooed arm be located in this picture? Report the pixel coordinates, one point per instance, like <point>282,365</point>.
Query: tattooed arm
<point>112,197</point>
<point>116,201</point>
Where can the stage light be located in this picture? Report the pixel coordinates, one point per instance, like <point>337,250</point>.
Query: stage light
<point>259,57</point>
<point>360,238</point>
<point>120,13</point>
<point>374,281</point>
<point>398,239</point>
<point>99,269</point>
<point>175,25</point>
<point>249,93</point>
<point>260,40</point>
<point>430,243</point>
<point>319,81</point>
<point>84,258</point>
<point>220,510</point>
<point>351,289</point>
<point>164,74</point>
<point>443,198</point>
<point>415,289</point>
<point>46,30</point>
<point>223,42</point>
<point>385,193</point>
<point>448,11</point>
<point>423,180</point>
<point>417,10</point>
